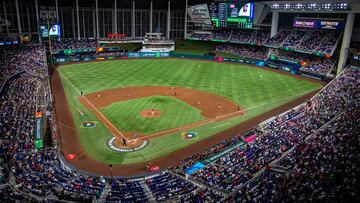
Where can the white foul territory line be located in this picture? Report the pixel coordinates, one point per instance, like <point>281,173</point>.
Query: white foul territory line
<point>93,106</point>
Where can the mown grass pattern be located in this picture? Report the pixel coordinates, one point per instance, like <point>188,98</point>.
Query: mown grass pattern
<point>174,113</point>
<point>255,89</point>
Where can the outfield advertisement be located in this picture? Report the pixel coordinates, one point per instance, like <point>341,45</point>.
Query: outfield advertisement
<point>69,58</point>
<point>244,60</point>
<point>85,50</point>
<point>148,54</point>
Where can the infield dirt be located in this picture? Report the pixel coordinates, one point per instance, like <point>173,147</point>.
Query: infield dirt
<point>69,141</point>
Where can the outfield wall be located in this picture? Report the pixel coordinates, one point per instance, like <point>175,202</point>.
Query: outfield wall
<point>288,67</point>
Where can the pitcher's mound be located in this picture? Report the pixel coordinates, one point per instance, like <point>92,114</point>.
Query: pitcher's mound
<point>150,113</point>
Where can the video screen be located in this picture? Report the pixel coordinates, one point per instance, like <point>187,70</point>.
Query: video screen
<point>225,14</point>
<point>54,31</point>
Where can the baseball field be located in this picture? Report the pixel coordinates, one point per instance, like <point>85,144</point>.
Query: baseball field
<point>157,102</point>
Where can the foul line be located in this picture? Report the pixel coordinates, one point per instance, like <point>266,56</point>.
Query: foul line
<point>182,127</point>
<point>300,94</point>
<point>93,106</point>
<point>221,125</point>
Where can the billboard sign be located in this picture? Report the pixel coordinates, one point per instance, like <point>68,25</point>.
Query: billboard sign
<point>304,23</point>
<point>148,54</point>
<point>319,24</point>
<point>332,25</point>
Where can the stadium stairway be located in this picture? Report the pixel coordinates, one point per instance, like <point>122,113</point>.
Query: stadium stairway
<point>15,187</point>
<point>148,192</point>
<point>104,194</point>
<point>198,184</point>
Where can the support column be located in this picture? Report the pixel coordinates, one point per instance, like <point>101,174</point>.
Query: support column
<point>151,17</point>
<point>185,26</point>
<point>18,16</point>
<point>83,22</point>
<point>73,24</point>
<point>77,19</point>
<point>141,29</point>
<point>158,28</point>
<point>97,18</point>
<point>5,14</point>
<point>103,23</point>
<point>123,22</point>
<point>94,23</point>
<point>115,17</point>
<point>57,10</point>
<point>62,23</point>
<point>168,22</point>
<point>274,23</point>
<point>28,18</point>
<point>346,41</point>
<point>133,20</point>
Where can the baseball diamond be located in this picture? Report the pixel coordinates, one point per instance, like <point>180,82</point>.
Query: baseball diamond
<point>205,101</point>
<point>188,101</point>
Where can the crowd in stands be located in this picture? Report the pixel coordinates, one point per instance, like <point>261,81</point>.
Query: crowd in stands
<point>293,38</point>
<point>221,35</point>
<point>238,169</point>
<point>241,36</point>
<point>15,59</point>
<point>260,37</point>
<point>126,191</point>
<point>324,167</point>
<point>278,39</point>
<point>313,64</point>
<point>201,36</point>
<point>74,44</point>
<point>249,52</point>
<point>328,42</point>
<point>310,41</point>
<point>167,186</point>
<point>309,153</point>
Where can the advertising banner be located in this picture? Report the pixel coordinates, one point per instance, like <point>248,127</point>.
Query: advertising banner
<point>74,51</point>
<point>332,25</point>
<point>148,54</point>
<point>302,23</point>
<point>223,153</point>
<point>244,60</point>
<point>319,24</point>
<point>38,130</point>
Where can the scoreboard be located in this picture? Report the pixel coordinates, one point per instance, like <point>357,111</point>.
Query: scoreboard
<point>232,15</point>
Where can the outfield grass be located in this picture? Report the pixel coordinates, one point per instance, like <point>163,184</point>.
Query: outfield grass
<point>258,90</point>
<point>174,113</point>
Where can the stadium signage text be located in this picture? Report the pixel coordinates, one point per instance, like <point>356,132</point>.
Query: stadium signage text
<point>319,24</point>
<point>38,131</point>
<point>112,146</point>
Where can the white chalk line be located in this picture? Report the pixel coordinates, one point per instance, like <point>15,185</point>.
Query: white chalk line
<point>252,107</point>
<point>92,105</point>
<point>221,125</point>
